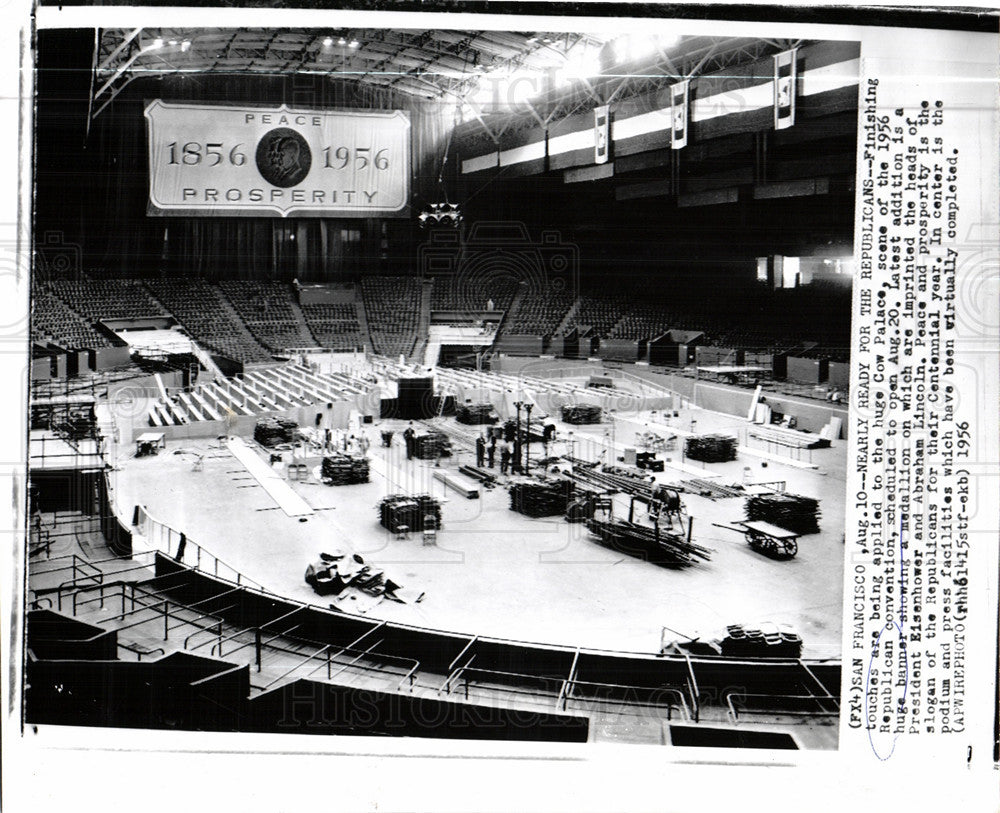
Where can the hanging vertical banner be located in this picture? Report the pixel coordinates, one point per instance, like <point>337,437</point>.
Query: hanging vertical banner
<point>679,111</point>
<point>784,89</point>
<point>602,128</point>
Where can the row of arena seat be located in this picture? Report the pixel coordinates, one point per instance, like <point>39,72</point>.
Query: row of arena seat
<point>199,307</point>
<point>540,314</point>
<point>459,293</point>
<point>334,326</point>
<point>107,298</point>
<point>392,306</point>
<point>599,313</point>
<point>268,311</point>
<point>53,321</point>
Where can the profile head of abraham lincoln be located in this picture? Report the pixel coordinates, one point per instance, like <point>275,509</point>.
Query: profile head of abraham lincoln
<point>284,156</point>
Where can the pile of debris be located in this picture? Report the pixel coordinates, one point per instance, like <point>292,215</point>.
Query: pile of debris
<point>746,642</point>
<point>343,470</point>
<point>578,414</point>
<point>335,572</point>
<point>273,432</point>
<point>710,448</point>
<point>789,511</point>
<point>655,546</point>
<point>476,414</point>
<point>540,497</point>
<point>400,513</point>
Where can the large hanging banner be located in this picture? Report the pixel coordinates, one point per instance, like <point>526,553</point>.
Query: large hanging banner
<point>602,131</point>
<point>280,161</point>
<point>679,114</point>
<point>785,81</point>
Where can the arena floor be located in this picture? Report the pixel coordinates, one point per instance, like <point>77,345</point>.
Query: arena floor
<point>495,572</point>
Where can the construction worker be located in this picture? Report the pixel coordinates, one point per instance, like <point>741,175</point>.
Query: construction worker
<point>409,436</point>
<point>504,457</point>
<point>491,452</point>
<point>480,451</point>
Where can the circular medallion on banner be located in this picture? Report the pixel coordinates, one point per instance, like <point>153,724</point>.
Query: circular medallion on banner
<point>283,157</point>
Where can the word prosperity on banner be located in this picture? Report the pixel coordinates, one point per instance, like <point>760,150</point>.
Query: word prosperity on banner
<point>253,161</point>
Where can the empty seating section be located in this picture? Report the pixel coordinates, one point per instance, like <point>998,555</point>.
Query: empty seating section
<point>540,314</point>
<point>269,312</point>
<point>200,308</point>
<point>392,306</point>
<point>107,298</point>
<point>53,321</point>
<point>600,313</point>
<point>334,326</point>
<point>461,294</point>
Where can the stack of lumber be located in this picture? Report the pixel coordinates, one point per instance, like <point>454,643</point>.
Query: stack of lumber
<point>476,414</point>
<point>661,548</point>
<point>432,444</point>
<point>614,482</point>
<point>343,470</point>
<point>789,511</point>
<point>274,431</point>
<point>711,448</point>
<point>540,497</point>
<point>581,414</point>
<point>399,511</point>
<point>714,491</point>
<point>483,476</point>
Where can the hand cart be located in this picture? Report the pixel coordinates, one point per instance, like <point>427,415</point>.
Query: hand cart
<point>770,540</point>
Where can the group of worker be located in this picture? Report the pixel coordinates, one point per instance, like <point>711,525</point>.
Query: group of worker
<point>510,454</point>
<point>350,444</point>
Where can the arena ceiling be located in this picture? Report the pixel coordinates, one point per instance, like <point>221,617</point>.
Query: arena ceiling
<point>577,69</point>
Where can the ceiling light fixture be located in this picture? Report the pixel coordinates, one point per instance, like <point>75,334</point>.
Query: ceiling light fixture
<point>328,41</point>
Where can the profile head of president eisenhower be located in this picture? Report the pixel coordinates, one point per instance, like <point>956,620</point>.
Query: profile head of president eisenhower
<point>284,157</point>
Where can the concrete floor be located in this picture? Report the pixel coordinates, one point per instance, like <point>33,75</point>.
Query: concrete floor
<point>498,573</point>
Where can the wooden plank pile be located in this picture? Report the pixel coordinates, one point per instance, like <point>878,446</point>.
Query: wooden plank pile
<point>578,414</point>
<point>613,481</point>
<point>476,414</point>
<point>789,511</point>
<point>343,470</point>
<point>272,432</point>
<point>432,444</point>
<point>455,484</point>
<point>714,491</point>
<point>540,497</point>
<point>710,448</point>
<point>399,511</point>
<point>483,476</point>
<point>658,547</point>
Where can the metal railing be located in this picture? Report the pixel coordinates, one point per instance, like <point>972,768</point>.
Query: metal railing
<point>792,705</point>
<point>669,697</point>
<point>508,681</point>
